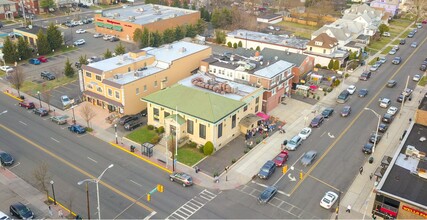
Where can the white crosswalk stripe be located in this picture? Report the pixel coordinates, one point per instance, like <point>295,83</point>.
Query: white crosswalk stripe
<point>193,205</point>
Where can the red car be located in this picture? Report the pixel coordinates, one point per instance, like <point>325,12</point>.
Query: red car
<point>27,105</point>
<point>424,22</point>
<point>281,158</point>
<point>42,59</point>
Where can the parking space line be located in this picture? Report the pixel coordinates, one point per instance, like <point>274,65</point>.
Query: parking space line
<point>135,183</point>
<point>54,139</point>
<point>15,165</point>
<point>23,123</point>
<point>92,160</point>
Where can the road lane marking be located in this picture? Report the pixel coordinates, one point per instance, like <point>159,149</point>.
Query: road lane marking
<point>291,168</point>
<point>325,183</point>
<point>151,215</point>
<point>142,205</point>
<point>92,160</point>
<point>136,183</point>
<point>354,120</point>
<point>23,123</point>
<point>15,165</point>
<point>265,186</point>
<point>54,139</point>
<point>184,211</point>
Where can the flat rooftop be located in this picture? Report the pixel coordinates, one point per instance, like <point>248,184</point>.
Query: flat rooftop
<point>423,103</point>
<point>285,41</point>
<point>405,178</point>
<point>145,14</point>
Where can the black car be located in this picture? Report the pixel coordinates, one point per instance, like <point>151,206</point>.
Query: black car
<point>317,121</point>
<point>363,92</point>
<point>327,112</point>
<point>21,211</point>
<point>114,39</point>
<point>40,111</point>
<point>383,127</point>
<point>406,94</point>
<point>6,159</point>
<point>133,124</point>
<point>365,75</point>
<point>47,75</point>
<point>266,170</point>
<point>181,178</point>
<point>402,42</point>
<point>391,83</point>
<point>128,118</point>
<point>346,111</point>
<point>374,138</point>
<point>388,118</point>
<point>267,194</point>
<point>367,148</point>
<point>423,67</point>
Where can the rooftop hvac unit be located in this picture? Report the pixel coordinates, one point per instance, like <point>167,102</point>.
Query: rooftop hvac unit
<point>140,10</point>
<point>116,76</point>
<point>116,15</point>
<point>182,49</point>
<point>131,18</point>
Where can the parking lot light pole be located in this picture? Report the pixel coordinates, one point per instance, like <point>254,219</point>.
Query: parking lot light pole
<point>53,192</point>
<point>115,131</point>
<point>40,101</point>
<point>378,125</point>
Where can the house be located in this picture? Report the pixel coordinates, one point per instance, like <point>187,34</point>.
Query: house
<point>402,178</point>
<point>31,7</point>
<point>213,110</point>
<point>122,22</point>
<point>391,6</point>
<point>8,9</point>
<point>269,18</point>
<point>324,48</point>
<point>371,18</point>
<point>254,40</point>
<point>118,83</point>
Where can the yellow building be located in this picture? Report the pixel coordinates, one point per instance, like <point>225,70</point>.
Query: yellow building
<point>118,83</point>
<point>204,108</point>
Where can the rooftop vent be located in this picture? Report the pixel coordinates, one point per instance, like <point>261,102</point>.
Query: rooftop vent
<point>276,58</point>
<point>116,15</point>
<point>182,49</point>
<point>169,46</point>
<point>140,10</point>
<point>138,74</point>
<point>131,18</point>
<point>117,76</point>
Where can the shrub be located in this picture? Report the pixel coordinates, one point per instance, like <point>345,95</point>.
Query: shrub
<point>161,130</point>
<point>192,144</point>
<point>150,127</point>
<point>318,65</point>
<point>258,141</point>
<point>318,97</point>
<point>324,94</point>
<point>201,150</point>
<point>88,129</point>
<point>347,75</point>
<point>233,160</point>
<point>229,44</point>
<point>324,67</point>
<point>208,148</point>
<point>155,139</point>
<point>329,89</point>
<point>235,45</point>
<point>246,151</point>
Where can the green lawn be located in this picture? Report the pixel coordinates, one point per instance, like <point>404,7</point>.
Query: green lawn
<point>303,34</point>
<point>142,135</point>
<point>403,23</point>
<point>296,25</point>
<point>31,88</point>
<point>189,155</point>
<point>423,81</point>
<point>396,42</point>
<point>378,45</point>
<point>373,61</point>
<point>386,50</point>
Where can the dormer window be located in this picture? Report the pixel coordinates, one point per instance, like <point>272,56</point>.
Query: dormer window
<point>318,43</point>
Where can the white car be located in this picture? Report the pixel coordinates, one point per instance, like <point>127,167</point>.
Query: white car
<point>392,52</point>
<point>66,101</point>
<point>328,200</point>
<point>98,35</point>
<point>351,89</point>
<point>305,132</point>
<point>386,34</point>
<point>416,78</point>
<point>384,102</point>
<point>4,216</point>
<point>6,68</point>
<point>79,42</point>
<point>392,110</point>
<point>107,37</point>
<point>80,31</point>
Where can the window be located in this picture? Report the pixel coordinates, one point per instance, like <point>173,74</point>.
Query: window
<point>245,108</point>
<point>257,100</point>
<point>220,130</point>
<point>155,83</point>
<point>156,114</point>
<point>88,74</point>
<point>324,50</point>
<point>311,48</point>
<point>202,131</point>
<point>166,79</point>
<point>98,77</point>
<point>166,114</point>
<point>137,91</point>
<point>256,109</point>
<point>190,127</point>
<point>110,92</point>
<point>145,88</point>
<point>117,94</point>
<point>99,89</point>
<point>233,121</point>
<point>128,69</point>
<point>89,86</point>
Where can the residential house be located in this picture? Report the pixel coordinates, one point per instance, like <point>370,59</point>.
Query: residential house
<point>371,18</point>
<point>31,7</point>
<point>213,109</point>
<point>391,6</point>
<point>324,49</point>
<point>8,9</point>
<point>118,83</point>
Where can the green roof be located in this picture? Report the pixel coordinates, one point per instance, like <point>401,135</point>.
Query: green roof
<point>201,104</point>
<point>181,120</point>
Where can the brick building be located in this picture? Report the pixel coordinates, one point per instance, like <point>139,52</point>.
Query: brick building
<point>8,9</point>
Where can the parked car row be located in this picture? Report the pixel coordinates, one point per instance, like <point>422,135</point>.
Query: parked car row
<point>131,122</point>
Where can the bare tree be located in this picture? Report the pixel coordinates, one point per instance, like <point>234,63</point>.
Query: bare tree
<point>17,79</point>
<point>41,176</point>
<point>87,113</point>
<point>47,95</point>
<point>419,7</point>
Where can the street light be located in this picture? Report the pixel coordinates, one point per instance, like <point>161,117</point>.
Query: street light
<point>96,181</point>
<point>376,133</point>
<point>115,130</point>
<point>53,192</point>
<point>38,94</point>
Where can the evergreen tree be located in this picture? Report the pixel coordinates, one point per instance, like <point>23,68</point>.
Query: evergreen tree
<point>68,71</point>
<point>229,44</point>
<point>200,26</point>
<point>176,4</point>
<point>120,49</point>
<point>108,54</point>
<point>216,18</point>
<point>185,4</point>
<point>46,4</point>
<point>336,65</point>
<point>145,38</point>
<point>258,48</point>
<point>9,51</point>
<point>235,45</point>
<point>190,31</point>
<point>137,35</point>
<point>240,44</point>
<point>179,33</point>
<point>23,49</point>
<point>226,17</point>
<point>168,36</point>
<point>220,37</point>
<point>42,43</point>
<point>54,37</point>
<point>331,64</point>
<point>157,39</point>
<point>83,60</point>
<point>193,6</point>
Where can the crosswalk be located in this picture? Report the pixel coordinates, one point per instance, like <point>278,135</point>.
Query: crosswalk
<point>193,205</point>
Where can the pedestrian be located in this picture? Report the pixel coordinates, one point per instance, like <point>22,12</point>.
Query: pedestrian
<point>50,211</point>
<point>370,176</point>
<point>216,179</point>
<point>361,170</point>
<point>60,214</point>
<point>348,209</point>
<point>196,169</point>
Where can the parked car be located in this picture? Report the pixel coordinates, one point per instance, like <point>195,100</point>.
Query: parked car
<point>114,39</point>
<point>423,67</point>
<point>386,34</point>
<point>181,178</point>
<point>78,129</point>
<point>375,138</point>
<point>363,92</point>
<point>80,31</point>
<point>405,95</point>
<point>419,26</point>
<point>66,101</point>
<point>42,59</point>
<point>34,61</point>
<point>59,119</point>
<point>294,143</point>
<point>388,118</point>
<point>384,102</point>
<point>414,44</point>
<point>351,89</point>
<point>133,124</point>
<point>365,76</point>
<point>267,194</point>
<point>396,60</point>
<point>392,110</point>
<point>6,68</point>
<point>382,60</point>
<point>374,67</point>
<point>107,37</point>
<point>346,111</point>
<point>27,105</point>
<point>411,34</point>
<point>3,216</point>
<point>327,112</point>
<point>317,121</point>
<point>40,111</point>
<point>281,158</point>
<point>267,169</point>
<point>6,159</point>
<point>383,127</point>
<point>128,118</point>
<point>367,148</point>
<point>47,75</point>
<point>391,83</point>
<point>79,42</point>
<point>392,52</point>
<point>305,132</point>
<point>21,211</point>
<point>328,200</point>
<point>98,35</point>
<point>396,47</point>
<point>308,158</point>
<point>402,42</point>
<point>416,78</point>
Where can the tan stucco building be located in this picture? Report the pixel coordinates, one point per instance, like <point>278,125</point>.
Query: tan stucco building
<point>117,84</point>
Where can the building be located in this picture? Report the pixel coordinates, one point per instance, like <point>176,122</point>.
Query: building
<point>117,84</point>
<point>269,18</point>
<point>123,22</point>
<point>253,40</point>
<point>390,6</point>
<point>31,8</point>
<point>29,33</point>
<point>212,110</point>
<point>324,49</point>
<point>251,68</point>
<point>401,191</point>
<point>8,9</point>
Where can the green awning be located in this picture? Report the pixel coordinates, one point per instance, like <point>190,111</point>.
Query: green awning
<point>99,24</point>
<point>118,28</point>
<point>109,26</point>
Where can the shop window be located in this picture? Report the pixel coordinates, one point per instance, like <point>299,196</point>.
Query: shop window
<point>202,131</point>
<point>245,108</point>
<point>233,121</point>
<point>110,92</point>
<point>257,100</point>
<point>89,74</point>
<point>98,77</point>
<point>117,95</point>
<point>220,130</point>
<point>256,108</point>
<point>128,69</point>
<point>190,127</point>
<point>166,114</point>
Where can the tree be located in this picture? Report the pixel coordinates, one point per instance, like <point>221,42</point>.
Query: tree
<point>179,33</point>
<point>83,60</point>
<point>168,36</point>
<point>190,31</point>
<point>176,4</point>
<point>108,54</point>
<point>185,5</point>
<point>157,39</point>
<point>87,113</point>
<point>54,37</point>
<point>208,148</point>
<point>23,49</point>
<point>258,48</point>
<point>46,4</point>
<point>137,35</point>
<point>17,79</point>
<point>193,7</point>
<point>419,6</point>
<point>336,65</point>
<point>42,43</point>
<point>9,51</point>
<point>120,49</point>
<point>229,44</point>
<point>68,71</point>
<point>200,26</point>
<point>331,64</point>
<point>240,44</point>
<point>41,177</point>
<point>234,45</point>
<point>220,37</point>
<point>145,38</point>
<point>383,28</point>
<point>216,18</point>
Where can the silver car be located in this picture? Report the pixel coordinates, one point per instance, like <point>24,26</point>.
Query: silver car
<point>308,158</point>
<point>294,143</point>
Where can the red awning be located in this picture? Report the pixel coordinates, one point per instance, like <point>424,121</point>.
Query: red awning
<point>263,116</point>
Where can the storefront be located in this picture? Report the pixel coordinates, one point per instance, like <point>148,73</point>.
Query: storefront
<point>101,101</point>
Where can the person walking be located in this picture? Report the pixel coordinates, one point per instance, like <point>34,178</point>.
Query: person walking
<point>50,211</point>
<point>60,214</point>
<point>348,209</point>
<point>361,170</point>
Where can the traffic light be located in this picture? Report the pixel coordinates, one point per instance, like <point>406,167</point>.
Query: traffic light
<point>159,188</point>
<point>148,197</point>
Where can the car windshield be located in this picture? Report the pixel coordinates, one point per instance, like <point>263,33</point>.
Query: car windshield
<point>279,158</point>
<point>23,211</point>
<point>292,142</point>
<point>304,131</point>
<point>326,200</point>
<point>5,157</point>
<point>65,99</point>
<point>265,169</point>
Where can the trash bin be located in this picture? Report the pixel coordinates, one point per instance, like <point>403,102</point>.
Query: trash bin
<point>132,148</point>
<point>22,97</point>
<point>371,159</point>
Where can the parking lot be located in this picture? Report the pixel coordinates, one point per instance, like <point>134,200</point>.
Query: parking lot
<point>72,90</point>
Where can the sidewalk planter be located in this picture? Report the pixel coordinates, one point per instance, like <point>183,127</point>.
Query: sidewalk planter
<point>371,160</point>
